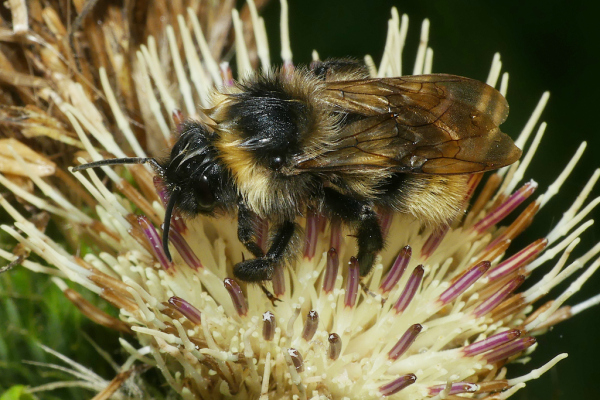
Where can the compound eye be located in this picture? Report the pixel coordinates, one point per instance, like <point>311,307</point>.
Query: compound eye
<point>204,194</point>
<point>276,163</point>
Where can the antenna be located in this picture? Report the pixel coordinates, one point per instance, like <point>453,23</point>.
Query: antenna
<point>167,223</point>
<point>120,161</point>
<point>143,160</point>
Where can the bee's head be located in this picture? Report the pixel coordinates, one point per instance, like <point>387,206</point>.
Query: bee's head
<point>196,180</point>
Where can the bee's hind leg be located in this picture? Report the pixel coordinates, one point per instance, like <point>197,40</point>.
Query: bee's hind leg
<point>369,240</point>
<point>261,268</point>
<point>368,232</point>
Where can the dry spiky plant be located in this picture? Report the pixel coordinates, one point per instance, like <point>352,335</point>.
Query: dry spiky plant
<point>439,317</point>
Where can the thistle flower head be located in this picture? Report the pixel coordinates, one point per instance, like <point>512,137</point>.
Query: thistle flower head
<point>440,315</point>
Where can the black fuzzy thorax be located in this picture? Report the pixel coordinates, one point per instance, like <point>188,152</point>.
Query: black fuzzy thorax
<point>270,120</point>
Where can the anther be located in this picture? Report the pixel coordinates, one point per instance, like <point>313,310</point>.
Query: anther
<point>510,349</point>
<point>310,325</point>
<point>155,242</point>
<point>185,308</point>
<point>398,384</point>
<point>237,296</point>
<point>397,270</point>
<point>405,341</point>
<point>296,359</point>
<point>410,289</point>
<point>269,325</point>
<point>433,241</point>
<point>335,346</point>
<point>491,342</point>
<point>352,283</point>
<point>464,282</point>
<point>331,270</point>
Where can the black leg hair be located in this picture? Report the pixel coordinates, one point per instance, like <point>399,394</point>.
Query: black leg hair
<point>247,231</point>
<point>261,268</point>
<point>368,232</point>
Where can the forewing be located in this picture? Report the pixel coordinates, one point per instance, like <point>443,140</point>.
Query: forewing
<point>432,124</point>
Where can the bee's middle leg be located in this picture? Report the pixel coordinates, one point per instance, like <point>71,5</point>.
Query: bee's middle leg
<point>368,233</point>
<point>261,268</point>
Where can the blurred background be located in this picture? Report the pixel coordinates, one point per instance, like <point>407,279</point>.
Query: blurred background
<point>545,45</point>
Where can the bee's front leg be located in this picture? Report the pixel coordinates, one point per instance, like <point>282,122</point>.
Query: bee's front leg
<point>368,232</point>
<point>246,230</point>
<point>261,268</point>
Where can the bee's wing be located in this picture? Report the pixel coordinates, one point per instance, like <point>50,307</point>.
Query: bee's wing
<point>431,124</point>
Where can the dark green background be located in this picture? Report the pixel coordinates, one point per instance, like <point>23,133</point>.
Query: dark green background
<point>545,45</point>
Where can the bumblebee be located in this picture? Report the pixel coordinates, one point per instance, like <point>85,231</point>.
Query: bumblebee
<point>332,139</point>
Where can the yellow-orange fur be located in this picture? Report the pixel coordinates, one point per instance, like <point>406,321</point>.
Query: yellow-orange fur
<point>266,192</point>
<point>434,200</point>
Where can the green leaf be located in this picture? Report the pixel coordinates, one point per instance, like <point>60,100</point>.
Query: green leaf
<point>17,392</point>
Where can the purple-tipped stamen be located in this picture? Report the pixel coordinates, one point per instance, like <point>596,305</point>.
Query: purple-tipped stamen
<point>495,299</point>
<point>405,341</point>
<point>410,289</point>
<point>155,242</point>
<point>512,202</point>
<point>311,234</point>
<point>226,74</point>
<point>397,270</point>
<point>185,308</point>
<point>335,346</point>
<point>322,222</point>
<point>509,349</point>
<point>331,270</point>
<point>296,359</point>
<point>352,283</point>
<point>433,241</point>
<point>310,325</point>
<point>491,342</point>
<point>517,261</point>
<point>237,296</point>
<point>288,66</point>
<point>385,221</point>
<point>492,386</point>
<point>269,325</point>
<point>160,189</point>
<point>397,385</point>
<point>335,240</point>
<point>278,281</point>
<point>262,233</point>
<point>178,117</point>
<point>455,388</point>
<point>184,250</point>
<point>518,225</point>
<point>472,184</point>
<point>464,282</point>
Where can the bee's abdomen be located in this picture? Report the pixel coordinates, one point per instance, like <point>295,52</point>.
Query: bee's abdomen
<point>432,199</point>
